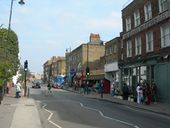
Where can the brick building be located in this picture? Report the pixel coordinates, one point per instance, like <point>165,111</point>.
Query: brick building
<point>86,55</point>
<point>111,61</point>
<point>145,48</point>
<point>53,67</point>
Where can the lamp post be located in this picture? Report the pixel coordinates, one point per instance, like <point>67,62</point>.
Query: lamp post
<point>21,2</point>
<point>87,69</point>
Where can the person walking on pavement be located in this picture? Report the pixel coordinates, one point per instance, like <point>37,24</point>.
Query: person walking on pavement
<point>154,92</point>
<point>101,84</point>
<point>139,91</point>
<point>18,89</point>
<point>112,89</point>
<point>125,91</point>
<point>148,94</point>
<point>87,87</point>
<point>83,87</point>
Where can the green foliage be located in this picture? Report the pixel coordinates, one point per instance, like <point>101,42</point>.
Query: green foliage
<point>9,50</point>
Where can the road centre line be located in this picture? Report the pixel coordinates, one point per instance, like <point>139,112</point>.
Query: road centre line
<point>49,118</point>
<point>81,104</point>
<point>120,121</point>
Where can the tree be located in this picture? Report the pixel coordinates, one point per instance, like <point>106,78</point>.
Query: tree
<point>9,50</point>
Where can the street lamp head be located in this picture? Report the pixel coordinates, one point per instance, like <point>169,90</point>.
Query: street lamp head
<point>21,2</point>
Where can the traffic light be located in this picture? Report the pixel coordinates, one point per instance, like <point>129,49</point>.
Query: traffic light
<point>26,65</point>
<point>87,71</point>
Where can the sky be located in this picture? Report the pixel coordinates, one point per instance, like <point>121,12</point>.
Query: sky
<point>46,28</point>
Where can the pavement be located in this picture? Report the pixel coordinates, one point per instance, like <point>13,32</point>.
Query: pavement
<point>159,107</point>
<point>19,112</point>
<point>23,113</point>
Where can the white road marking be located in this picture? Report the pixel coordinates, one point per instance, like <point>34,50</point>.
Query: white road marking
<point>163,116</point>
<point>49,118</point>
<point>120,121</point>
<point>81,104</point>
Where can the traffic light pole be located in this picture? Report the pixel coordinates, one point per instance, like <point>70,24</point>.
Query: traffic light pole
<point>25,69</point>
<point>25,86</point>
<point>87,70</point>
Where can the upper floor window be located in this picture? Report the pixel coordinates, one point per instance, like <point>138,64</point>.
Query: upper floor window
<point>109,50</point>
<point>128,24</point>
<point>121,43</point>
<point>163,5</point>
<point>115,49</point>
<point>129,48</point>
<point>165,35</point>
<point>149,41</point>
<point>138,45</point>
<point>121,56</point>
<point>148,11</point>
<point>137,18</point>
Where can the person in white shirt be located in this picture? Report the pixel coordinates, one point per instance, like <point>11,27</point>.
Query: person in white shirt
<point>18,89</point>
<point>139,91</point>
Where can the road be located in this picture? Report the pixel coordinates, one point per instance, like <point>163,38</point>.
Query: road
<point>64,109</point>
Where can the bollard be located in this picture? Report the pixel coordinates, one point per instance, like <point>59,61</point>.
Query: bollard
<point>28,92</point>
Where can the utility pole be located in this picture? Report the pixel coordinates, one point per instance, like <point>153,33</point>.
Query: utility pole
<point>25,69</point>
<point>87,69</point>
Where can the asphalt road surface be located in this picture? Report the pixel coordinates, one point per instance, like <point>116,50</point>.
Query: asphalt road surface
<point>64,109</point>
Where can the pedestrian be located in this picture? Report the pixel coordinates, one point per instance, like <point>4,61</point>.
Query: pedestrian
<point>112,89</point>
<point>18,89</point>
<point>138,89</point>
<point>87,87</point>
<point>154,92</point>
<point>148,94</point>
<point>101,84</point>
<point>49,87</point>
<point>83,87</point>
<point>125,91</point>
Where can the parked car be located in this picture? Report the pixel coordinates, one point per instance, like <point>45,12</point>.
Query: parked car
<point>36,85</point>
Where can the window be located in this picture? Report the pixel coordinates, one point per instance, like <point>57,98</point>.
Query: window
<point>121,56</point>
<point>137,18</point>
<point>109,50</point>
<point>121,43</point>
<point>128,24</point>
<point>148,11</point>
<point>138,45</point>
<point>149,41</point>
<point>115,49</point>
<point>165,35</point>
<point>163,5</point>
<point>129,48</point>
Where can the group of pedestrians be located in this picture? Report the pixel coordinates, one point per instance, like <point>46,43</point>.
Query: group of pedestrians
<point>146,93</point>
